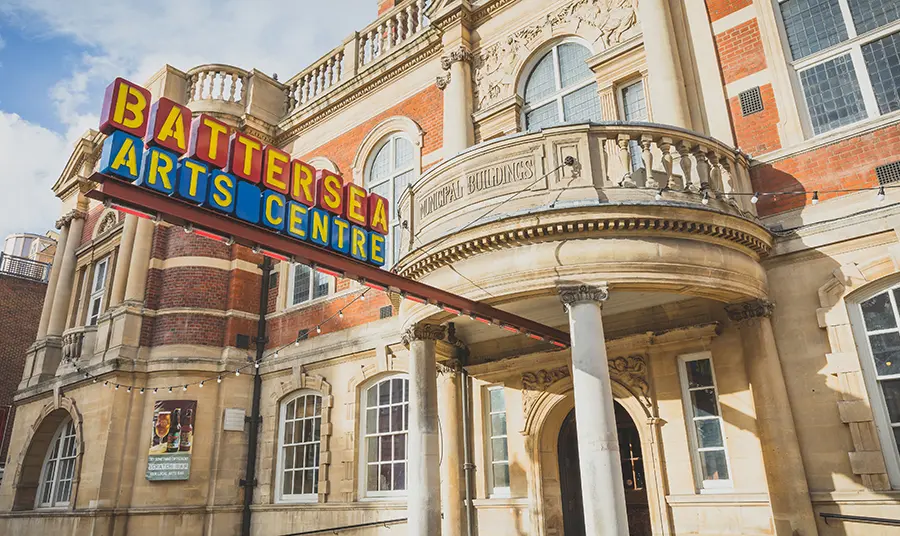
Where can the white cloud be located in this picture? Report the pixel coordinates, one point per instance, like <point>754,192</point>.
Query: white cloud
<point>135,39</point>
<point>2,42</point>
<point>33,158</point>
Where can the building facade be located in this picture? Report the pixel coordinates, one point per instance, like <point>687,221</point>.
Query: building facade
<point>690,189</point>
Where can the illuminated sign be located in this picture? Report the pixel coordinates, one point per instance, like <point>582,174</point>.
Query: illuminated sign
<point>161,147</point>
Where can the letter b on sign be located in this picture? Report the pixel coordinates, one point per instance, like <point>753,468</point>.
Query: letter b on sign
<point>125,107</point>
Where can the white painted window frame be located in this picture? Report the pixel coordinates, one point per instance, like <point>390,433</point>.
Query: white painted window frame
<point>97,295</point>
<point>282,418</point>
<point>291,276</point>
<point>364,493</point>
<point>503,491</point>
<point>552,49</point>
<point>390,179</point>
<point>54,478</point>
<point>704,486</point>
<point>852,46</point>
<point>867,364</point>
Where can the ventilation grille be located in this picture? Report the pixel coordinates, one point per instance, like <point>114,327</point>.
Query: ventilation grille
<point>751,101</point>
<point>303,334</point>
<point>888,173</point>
<point>242,341</point>
<point>386,312</point>
<point>273,280</point>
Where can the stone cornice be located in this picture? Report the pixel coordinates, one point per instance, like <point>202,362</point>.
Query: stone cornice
<point>598,227</point>
<point>490,9</point>
<point>572,294</point>
<point>739,312</point>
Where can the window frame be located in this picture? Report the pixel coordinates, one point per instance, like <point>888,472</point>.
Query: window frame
<point>58,458</point>
<point>493,491</point>
<point>279,466</point>
<point>415,167</point>
<point>852,46</point>
<point>559,92</point>
<point>362,446</point>
<point>97,295</point>
<point>703,486</point>
<point>870,377</point>
<point>291,275</point>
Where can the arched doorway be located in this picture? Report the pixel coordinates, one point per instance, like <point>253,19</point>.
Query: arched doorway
<point>632,474</point>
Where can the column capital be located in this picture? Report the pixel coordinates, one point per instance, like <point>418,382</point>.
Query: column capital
<point>68,217</point>
<point>748,310</point>
<point>572,294</point>
<point>460,53</point>
<point>424,332</point>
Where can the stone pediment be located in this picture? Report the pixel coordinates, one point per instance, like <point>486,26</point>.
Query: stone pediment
<point>86,152</point>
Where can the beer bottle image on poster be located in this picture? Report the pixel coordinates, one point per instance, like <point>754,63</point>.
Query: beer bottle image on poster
<point>171,440</point>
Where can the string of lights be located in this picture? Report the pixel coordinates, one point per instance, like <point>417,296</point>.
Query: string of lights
<point>756,196</point>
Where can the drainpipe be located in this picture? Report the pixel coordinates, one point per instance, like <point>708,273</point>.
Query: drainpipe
<point>468,466</point>
<point>249,483</point>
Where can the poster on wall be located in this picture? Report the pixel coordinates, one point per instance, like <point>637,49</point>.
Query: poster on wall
<point>171,440</point>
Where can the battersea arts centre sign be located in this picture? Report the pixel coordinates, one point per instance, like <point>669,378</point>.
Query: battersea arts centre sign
<point>162,148</point>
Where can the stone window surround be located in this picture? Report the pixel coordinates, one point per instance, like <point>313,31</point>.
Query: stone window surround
<point>279,464</point>
<point>493,492</point>
<point>360,444</point>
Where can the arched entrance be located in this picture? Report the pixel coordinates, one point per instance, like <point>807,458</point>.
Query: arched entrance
<point>632,474</point>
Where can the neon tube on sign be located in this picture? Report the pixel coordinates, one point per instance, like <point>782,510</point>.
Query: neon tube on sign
<point>207,163</point>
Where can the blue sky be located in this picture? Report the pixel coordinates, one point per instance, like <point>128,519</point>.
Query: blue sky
<point>56,57</point>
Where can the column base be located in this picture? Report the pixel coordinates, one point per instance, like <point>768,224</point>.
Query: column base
<point>46,361</point>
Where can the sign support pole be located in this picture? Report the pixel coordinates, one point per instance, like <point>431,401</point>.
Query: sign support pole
<point>249,482</point>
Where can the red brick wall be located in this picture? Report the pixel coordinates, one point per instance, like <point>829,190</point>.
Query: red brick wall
<point>425,108</point>
<point>846,164</point>
<point>757,133</point>
<point>384,5</point>
<point>91,221</point>
<point>719,8</point>
<point>740,51</point>
<point>283,329</point>
<point>20,313</point>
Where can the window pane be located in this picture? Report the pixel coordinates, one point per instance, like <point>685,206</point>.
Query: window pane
<point>372,449</point>
<point>386,450</point>
<point>400,183</point>
<point>289,457</point>
<point>499,450</point>
<point>307,481</point>
<point>396,418</point>
<point>634,103</point>
<point>397,390</point>
<point>400,446</point>
<point>289,410</point>
<point>403,153</point>
<point>886,351</point>
<point>381,164</point>
<point>542,80</point>
<point>891,390</point>
<point>384,420</point>
<point>713,465</point>
<point>371,418</point>
<point>287,484</point>
<point>709,433</point>
<point>871,14</point>
<point>699,373</point>
<point>384,393</point>
<point>572,66</point>
<point>372,478</point>
<point>372,396</point>
<point>878,313</point>
<point>501,475</point>
<point>812,25</point>
<point>498,403</point>
<point>897,437</point>
<point>383,189</point>
<point>883,63</point>
<point>582,105</point>
<point>498,424</point>
<point>399,476</point>
<point>384,477</point>
<point>321,287</point>
<point>301,284</point>
<point>545,116</point>
<point>704,403</point>
<point>832,94</point>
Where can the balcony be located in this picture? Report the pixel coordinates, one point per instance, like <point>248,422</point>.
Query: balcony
<point>78,342</point>
<point>24,268</point>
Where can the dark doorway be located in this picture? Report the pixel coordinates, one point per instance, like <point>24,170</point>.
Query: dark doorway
<point>632,474</point>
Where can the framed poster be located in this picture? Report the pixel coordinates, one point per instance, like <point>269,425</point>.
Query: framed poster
<point>171,440</point>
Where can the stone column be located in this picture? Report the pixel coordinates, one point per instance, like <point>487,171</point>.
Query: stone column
<point>423,447</point>
<point>123,261</point>
<point>66,277</point>
<point>459,132</point>
<point>54,277</point>
<point>136,283</point>
<point>602,488</point>
<point>668,99</point>
<point>451,471</point>
<point>785,476</point>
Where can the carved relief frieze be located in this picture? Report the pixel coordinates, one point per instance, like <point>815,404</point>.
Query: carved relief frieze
<point>535,383</point>
<point>602,22</point>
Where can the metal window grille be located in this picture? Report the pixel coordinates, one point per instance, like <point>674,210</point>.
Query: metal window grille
<point>303,334</point>
<point>751,101</point>
<point>386,312</point>
<point>888,173</point>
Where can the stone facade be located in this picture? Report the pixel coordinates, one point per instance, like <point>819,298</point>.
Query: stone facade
<point>720,379</point>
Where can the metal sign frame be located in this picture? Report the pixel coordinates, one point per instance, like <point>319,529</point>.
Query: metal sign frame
<point>209,222</point>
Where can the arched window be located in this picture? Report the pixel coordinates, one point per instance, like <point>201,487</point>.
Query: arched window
<point>876,322</point>
<point>55,487</point>
<point>389,171</point>
<point>299,447</point>
<point>385,420</point>
<point>561,88</point>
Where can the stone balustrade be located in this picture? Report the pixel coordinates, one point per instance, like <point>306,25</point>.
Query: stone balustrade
<point>78,341</point>
<point>395,28</point>
<point>316,80</point>
<point>222,83</point>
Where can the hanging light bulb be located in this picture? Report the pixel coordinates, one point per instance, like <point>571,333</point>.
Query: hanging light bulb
<point>815,198</point>
<point>362,297</point>
<point>297,343</point>
<point>94,380</point>
<point>201,385</point>
<point>128,390</point>
<point>880,196</point>
<point>170,389</point>
<point>341,314</point>
<point>117,387</point>
<point>237,373</point>
<point>184,388</point>
<point>219,379</point>
<point>318,329</point>
<point>658,196</point>
<point>142,390</point>
<point>256,365</point>
<point>155,390</point>
<point>257,249</point>
<point>86,375</point>
<point>106,383</point>
<point>188,228</point>
<point>705,199</point>
<point>755,198</point>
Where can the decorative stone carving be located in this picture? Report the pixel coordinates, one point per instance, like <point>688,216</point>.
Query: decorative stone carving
<point>424,332</point>
<point>739,312</point>
<point>461,53</point>
<point>570,295</point>
<point>109,220</point>
<point>67,218</point>
<point>535,383</point>
<point>599,21</point>
<point>442,81</point>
